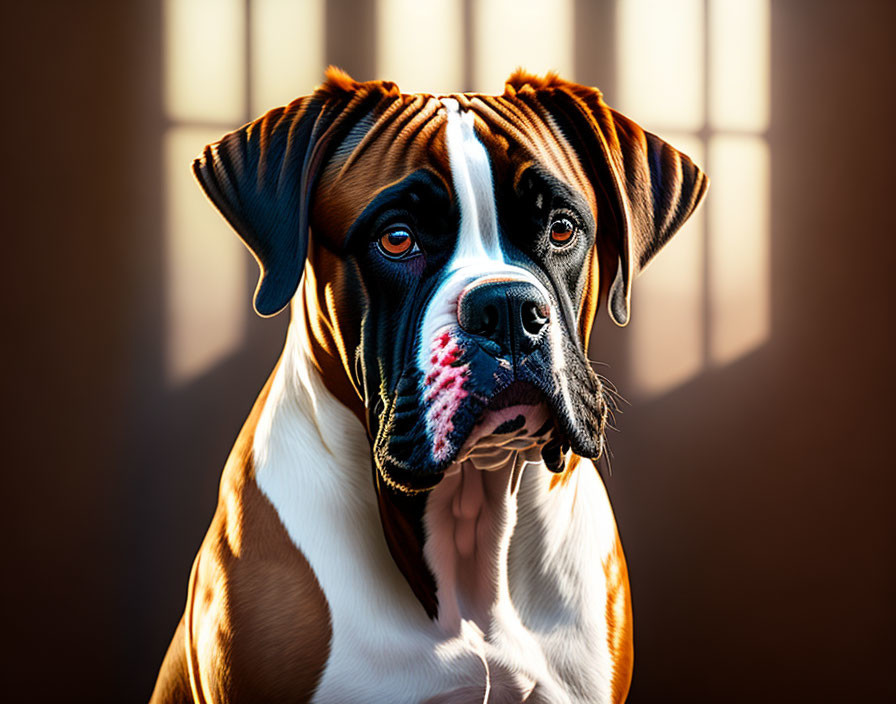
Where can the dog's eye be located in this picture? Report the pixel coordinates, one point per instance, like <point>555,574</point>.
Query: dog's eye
<point>562,231</point>
<point>397,242</point>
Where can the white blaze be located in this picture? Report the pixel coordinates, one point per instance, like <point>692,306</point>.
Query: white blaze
<point>473,185</point>
<point>478,253</point>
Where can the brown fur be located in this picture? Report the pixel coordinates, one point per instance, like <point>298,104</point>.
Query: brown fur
<point>563,478</point>
<point>619,621</point>
<point>248,579</point>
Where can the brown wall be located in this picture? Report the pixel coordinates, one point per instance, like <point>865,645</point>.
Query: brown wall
<point>754,502</point>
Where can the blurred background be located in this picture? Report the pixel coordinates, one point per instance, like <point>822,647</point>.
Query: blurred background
<point>752,476</point>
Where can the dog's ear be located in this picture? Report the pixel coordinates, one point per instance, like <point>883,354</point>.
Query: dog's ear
<point>653,188</point>
<point>259,177</point>
<point>262,175</point>
<point>650,187</point>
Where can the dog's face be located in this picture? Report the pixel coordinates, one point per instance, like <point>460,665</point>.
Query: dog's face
<point>471,255</point>
<point>458,248</point>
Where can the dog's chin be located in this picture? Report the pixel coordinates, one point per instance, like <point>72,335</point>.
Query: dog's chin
<point>498,438</point>
<point>502,435</point>
<point>517,422</point>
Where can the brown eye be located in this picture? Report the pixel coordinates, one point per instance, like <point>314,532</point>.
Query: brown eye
<point>396,243</point>
<point>562,231</point>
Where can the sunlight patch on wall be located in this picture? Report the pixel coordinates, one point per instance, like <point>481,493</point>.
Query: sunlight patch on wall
<point>205,96</point>
<point>206,306</point>
<point>508,34</point>
<point>205,62</point>
<point>667,303</point>
<point>287,47</point>
<point>738,246</point>
<point>660,49</point>
<point>226,61</point>
<point>420,44</point>
<point>739,72</point>
<point>705,299</point>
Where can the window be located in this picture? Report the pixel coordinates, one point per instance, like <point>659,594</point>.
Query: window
<point>444,46</point>
<point>696,72</point>
<point>226,61</point>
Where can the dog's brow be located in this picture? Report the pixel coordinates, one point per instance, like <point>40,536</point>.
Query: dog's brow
<point>422,182</point>
<point>559,189</point>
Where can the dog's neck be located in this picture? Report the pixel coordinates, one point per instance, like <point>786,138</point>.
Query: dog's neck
<point>469,520</point>
<point>301,388</point>
<point>469,517</point>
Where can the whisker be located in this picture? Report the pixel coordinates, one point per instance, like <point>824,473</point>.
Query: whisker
<point>606,458</point>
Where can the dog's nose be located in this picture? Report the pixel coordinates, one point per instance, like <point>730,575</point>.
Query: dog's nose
<point>505,316</point>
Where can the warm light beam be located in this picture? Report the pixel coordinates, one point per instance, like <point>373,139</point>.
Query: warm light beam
<point>667,304</point>
<point>509,34</point>
<point>205,60</point>
<point>660,59</point>
<point>208,292</point>
<point>739,68</point>
<point>287,47</point>
<point>420,44</point>
<point>738,246</point>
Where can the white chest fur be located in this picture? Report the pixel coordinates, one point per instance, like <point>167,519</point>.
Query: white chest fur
<point>547,628</point>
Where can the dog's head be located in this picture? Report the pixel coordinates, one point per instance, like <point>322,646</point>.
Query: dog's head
<point>454,252</point>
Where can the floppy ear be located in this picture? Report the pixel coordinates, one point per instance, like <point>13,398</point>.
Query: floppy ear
<point>652,188</point>
<point>655,188</point>
<point>262,175</point>
<point>259,177</point>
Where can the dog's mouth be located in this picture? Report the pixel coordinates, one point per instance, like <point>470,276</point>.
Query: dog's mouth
<point>446,433</point>
<point>517,420</point>
<point>464,402</point>
<point>519,393</point>
<point>532,418</point>
<point>485,413</point>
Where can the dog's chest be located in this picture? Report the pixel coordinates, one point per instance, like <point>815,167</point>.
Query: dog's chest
<point>547,635</point>
<point>546,640</point>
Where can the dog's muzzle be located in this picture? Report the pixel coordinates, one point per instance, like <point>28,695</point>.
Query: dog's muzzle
<point>506,318</point>
<point>502,373</point>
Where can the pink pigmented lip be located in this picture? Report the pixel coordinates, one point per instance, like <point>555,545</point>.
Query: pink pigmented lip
<point>444,390</point>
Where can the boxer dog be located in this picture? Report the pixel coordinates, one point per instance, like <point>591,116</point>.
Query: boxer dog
<point>412,511</point>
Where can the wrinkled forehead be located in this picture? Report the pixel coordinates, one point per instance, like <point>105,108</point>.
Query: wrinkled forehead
<point>389,143</point>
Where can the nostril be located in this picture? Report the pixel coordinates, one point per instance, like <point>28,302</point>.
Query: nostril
<point>488,322</point>
<point>504,316</point>
<point>533,317</point>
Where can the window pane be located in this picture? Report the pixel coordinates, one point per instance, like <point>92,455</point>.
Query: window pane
<point>738,206</point>
<point>660,57</point>
<point>667,303</point>
<point>420,45</point>
<point>739,64</point>
<point>208,297</point>
<point>287,51</point>
<point>534,34</point>
<point>205,73</point>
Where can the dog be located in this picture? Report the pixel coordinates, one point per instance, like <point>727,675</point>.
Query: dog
<point>412,511</point>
